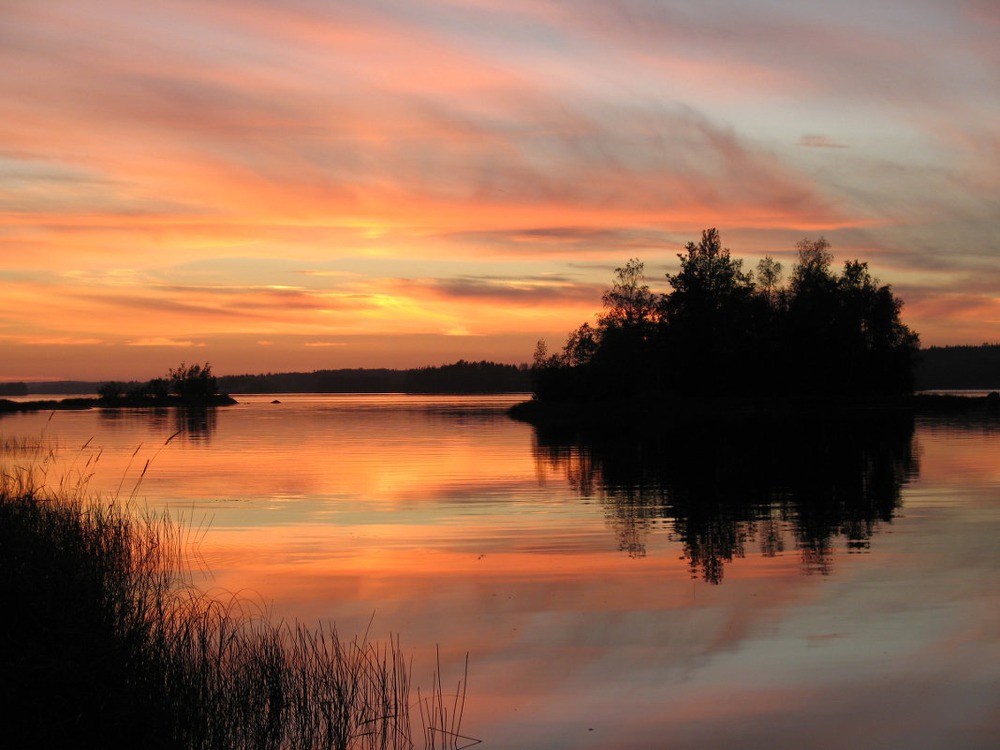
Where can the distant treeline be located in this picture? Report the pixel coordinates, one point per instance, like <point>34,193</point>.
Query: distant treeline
<point>460,377</point>
<point>68,387</point>
<point>959,367</point>
<point>319,381</point>
<point>13,389</point>
<point>938,368</point>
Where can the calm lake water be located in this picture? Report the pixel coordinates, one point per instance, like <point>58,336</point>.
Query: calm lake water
<point>790,587</point>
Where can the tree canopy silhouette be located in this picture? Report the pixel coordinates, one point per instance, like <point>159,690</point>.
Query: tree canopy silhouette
<point>719,329</point>
<point>190,385</point>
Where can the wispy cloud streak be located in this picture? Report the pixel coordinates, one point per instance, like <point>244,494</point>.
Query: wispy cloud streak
<point>393,165</point>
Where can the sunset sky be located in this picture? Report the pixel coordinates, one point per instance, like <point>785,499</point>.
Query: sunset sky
<point>309,184</point>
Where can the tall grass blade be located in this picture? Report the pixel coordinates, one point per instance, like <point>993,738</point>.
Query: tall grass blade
<point>110,645</point>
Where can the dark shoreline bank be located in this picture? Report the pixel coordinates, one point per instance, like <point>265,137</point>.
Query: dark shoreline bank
<point>79,404</point>
<point>609,412</point>
<point>691,410</point>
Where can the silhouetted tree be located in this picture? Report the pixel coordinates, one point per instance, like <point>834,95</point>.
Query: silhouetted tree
<point>769,275</point>
<point>541,355</point>
<point>628,302</point>
<point>134,391</point>
<point>112,390</point>
<point>193,381</point>
<point>582,346</point>
<point>879,351</point>
<point>618,353</point>
<point>812,270</point>
<point>707,315</point>
<point>824,334</point>
<point>846,331</point>
<point>466,377</point>
<point>812,314</point>
<point>158,388</point>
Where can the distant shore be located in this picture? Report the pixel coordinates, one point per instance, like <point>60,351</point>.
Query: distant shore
<point>78,404</point>
<point>534,411</point>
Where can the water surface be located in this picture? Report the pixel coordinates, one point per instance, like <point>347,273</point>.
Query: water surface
<point>788,586</point>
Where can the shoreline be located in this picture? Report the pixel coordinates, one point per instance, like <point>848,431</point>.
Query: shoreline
<point>8,406</point>
<point>608,412</point>
<point>636,412</point>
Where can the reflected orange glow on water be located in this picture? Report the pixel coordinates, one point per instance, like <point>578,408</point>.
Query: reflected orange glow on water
<point>954,454</point>
<point>443,521</point>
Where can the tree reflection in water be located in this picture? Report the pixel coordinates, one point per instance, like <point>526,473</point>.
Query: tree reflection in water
<point>721,489</point>
<point>194,424</point>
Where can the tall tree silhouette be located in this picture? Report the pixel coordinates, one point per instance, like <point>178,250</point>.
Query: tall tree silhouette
<point>707,315</point>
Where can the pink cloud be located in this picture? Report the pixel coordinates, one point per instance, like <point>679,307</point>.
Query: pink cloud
<point>522,135</point>
<point>816,140</point>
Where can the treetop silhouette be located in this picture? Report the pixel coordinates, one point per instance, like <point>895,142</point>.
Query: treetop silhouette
<point>720,330</point>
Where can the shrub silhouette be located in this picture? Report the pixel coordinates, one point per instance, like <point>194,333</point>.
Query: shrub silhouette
<point>192,381</point>
<point>191,384</point>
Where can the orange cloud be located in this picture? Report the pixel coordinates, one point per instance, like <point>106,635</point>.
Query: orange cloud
<point>160,167</point>
<point>163,341</point>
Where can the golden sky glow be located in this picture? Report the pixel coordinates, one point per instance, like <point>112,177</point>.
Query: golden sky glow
<point>304,184</point>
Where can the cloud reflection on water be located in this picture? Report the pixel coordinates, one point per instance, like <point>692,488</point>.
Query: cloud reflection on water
<point>460,528</point>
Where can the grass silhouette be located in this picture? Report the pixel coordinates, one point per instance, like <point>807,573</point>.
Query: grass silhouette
<point>105,643</point>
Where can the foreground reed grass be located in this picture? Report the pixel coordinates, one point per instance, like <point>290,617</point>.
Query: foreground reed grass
<point>103,643</point>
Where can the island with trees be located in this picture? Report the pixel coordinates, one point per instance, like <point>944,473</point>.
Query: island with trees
<point>727,338</point>
<point>185,386</point>
<point>461,377</point>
